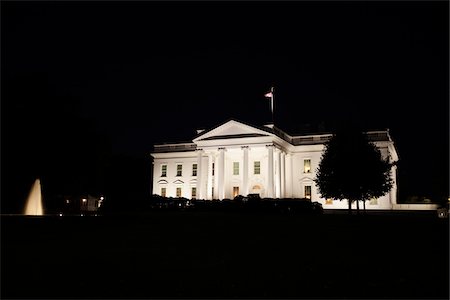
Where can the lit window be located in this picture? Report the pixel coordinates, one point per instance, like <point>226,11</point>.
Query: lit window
<point>178,192</point>
<point>373,201</point>
<point>329,201</point>
<point>163,192</point>
<point>307,191</point>
<point>257,167</point>
<point>194,193</point>
<point>307,166</point>
<point>163,170</point>
<point>84,202</point>
<point>194,170</point>
<point>67,201</point>
<point>212,169</point>
<point>179,170</point>
<point>235,168</point>
<point>235,191</point>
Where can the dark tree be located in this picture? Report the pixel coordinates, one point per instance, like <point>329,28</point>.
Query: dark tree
<point>352,168</point>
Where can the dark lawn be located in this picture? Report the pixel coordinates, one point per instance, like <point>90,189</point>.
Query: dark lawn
<point>226,255</point>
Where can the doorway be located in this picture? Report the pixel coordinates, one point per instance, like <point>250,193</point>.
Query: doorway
<point>235,191</point>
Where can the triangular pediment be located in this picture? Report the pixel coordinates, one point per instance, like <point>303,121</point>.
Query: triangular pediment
<point>231,129</point>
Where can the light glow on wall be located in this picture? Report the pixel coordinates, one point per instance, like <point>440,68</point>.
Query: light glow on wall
<point>235,191</point>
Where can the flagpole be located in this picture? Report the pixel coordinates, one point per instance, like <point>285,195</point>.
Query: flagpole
<point>271,95</point>
<point>271,98</point>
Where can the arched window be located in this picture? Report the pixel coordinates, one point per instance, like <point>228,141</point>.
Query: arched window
<point>256,189</point>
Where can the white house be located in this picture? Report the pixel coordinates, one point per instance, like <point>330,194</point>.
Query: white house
<point>235,158</point>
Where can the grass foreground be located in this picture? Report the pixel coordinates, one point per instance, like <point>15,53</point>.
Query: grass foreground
<point>186,254</point>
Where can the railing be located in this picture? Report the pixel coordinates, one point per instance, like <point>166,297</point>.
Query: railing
<point>299,140</point>
<point>320,139</point>
<point>378,136</point>
<point>175,147</point>
<point>311,140</point>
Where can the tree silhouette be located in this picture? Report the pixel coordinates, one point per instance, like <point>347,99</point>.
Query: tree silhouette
<point>352,168</point>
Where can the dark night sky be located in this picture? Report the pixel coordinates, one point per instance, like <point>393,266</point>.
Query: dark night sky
<point>141,73</point>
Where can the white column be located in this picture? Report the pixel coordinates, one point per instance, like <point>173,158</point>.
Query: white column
<point>283,175</point>
<point>216,177</point>
<point>270,193</point>
<point>221,173</point>
<point>199,174</point>
<point>393,192</point>
<point>278,173</point>
<point>245,171</point>
<point>209,185</point>
<point>288,175</point>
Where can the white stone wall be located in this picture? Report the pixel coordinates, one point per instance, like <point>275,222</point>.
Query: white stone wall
<point>171,182</point>
<point>256,154</point>
<point>301,179</point>
<point>294,184</point>
<point>288,176</point>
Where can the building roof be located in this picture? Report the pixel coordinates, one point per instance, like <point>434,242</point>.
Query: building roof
<point>310,139</point>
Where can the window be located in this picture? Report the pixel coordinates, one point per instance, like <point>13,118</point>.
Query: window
<point>235,168</point>
<point>257,167</point>
<point>194,170</point>
<point>307,166</point>
<point>163,192</point>
<point>329,201</point>
<point>373,201</point>
<point>194,193</point>
<point>178,192</point>
<point>179,170</point>
<point>307,191</point>
<point>256,189</point>
<point>235,191</point>
<point>163,170</point>
<point>212,169</point>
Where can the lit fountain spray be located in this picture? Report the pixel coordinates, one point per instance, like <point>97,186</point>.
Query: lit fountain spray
<point>33,206</point>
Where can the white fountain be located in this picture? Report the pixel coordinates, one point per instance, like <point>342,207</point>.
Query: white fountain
<point>33,206</point>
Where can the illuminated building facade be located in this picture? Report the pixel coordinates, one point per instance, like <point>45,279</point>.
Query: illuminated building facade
<point>235,158</point>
